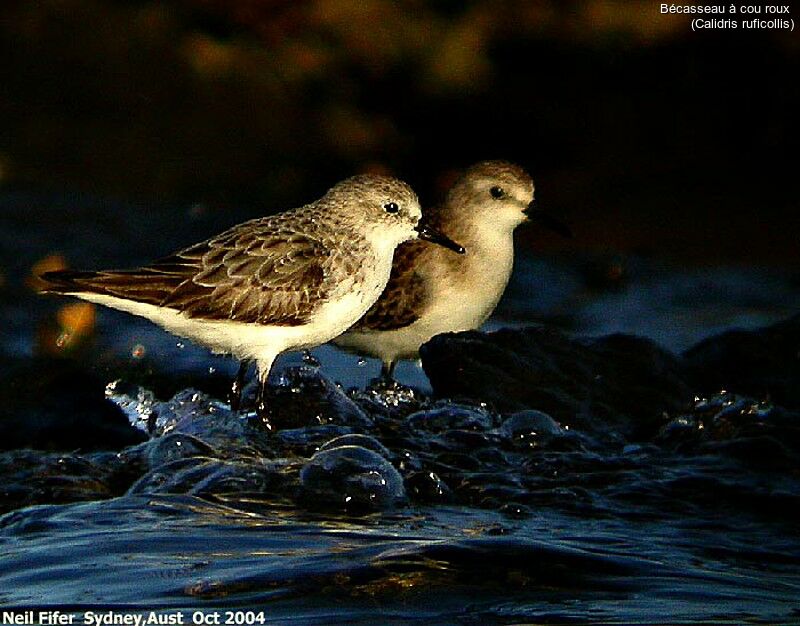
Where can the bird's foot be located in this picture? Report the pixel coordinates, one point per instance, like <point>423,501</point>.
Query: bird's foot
<point>383,383</point>
<point>265,415</point>
<point>264,411</point>
<point>386,380</point>
<point>235,397</point>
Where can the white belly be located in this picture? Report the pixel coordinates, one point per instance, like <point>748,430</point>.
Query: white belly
<point>245,340</point>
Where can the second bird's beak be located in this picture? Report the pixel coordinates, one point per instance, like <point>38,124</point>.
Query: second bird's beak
<point>434,236</point>
<point>546,220</point>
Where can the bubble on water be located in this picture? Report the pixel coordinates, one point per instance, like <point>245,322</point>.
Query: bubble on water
<point>352,476</point>
<point>450,417</point>
<point>428,487</point>
<point>530,428</point>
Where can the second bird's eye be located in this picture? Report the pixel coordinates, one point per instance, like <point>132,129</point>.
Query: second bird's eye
<point>391,207</point>
<point>497,192</point>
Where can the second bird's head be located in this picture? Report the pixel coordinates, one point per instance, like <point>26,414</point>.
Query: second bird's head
<point>497,195</point>
<point>387,208</point>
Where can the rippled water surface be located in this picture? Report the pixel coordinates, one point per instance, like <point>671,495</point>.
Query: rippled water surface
<point>138,487</point>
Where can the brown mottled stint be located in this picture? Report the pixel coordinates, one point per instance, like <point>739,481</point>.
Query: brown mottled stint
<point>433,291</point>
<point>285,282</point>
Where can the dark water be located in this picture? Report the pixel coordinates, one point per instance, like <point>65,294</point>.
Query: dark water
<point>437,565</point>
<point>394,506</point>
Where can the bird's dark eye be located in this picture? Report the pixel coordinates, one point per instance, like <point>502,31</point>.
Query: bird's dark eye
<point>391,207</point>
<point>497,192</point>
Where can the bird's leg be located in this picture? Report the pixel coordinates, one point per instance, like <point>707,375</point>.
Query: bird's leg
<point>387,372</point>
<point>263,411</point>
<point>386,380</point>
<point>238,385</point>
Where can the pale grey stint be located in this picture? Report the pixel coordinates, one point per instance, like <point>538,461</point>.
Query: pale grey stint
<point>285,282</point>
<point>433,291</point>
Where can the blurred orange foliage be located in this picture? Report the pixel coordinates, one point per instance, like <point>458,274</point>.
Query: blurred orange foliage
<point>76,320</point>
<point>50,263</point>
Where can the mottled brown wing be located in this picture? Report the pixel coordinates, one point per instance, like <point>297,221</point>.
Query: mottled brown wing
<point>402,301</point>
<point>248,274</point>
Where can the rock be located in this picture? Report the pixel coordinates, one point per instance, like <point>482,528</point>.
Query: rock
<point>55,404</point>
<point>304,397</point>
<point>760,363</point>
<point>619,382</point>
<point>760,435</point>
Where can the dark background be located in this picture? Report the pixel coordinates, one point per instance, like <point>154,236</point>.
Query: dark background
<point>645,136</point>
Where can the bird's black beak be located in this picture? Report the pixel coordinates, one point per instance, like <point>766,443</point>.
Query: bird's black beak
<point>434,236</point>
<point>548,221</point>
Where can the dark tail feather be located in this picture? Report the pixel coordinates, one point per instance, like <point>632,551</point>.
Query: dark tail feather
<point>146,284</point>
<point>66,281</point>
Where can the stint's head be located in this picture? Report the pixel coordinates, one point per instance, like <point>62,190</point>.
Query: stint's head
<point>385,209</point>
<point>492,192</point>
<point>377,204</point>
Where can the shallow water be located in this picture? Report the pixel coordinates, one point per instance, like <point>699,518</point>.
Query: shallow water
<point>496,519</point>
<point>440,564</point>
<point>391,506</point>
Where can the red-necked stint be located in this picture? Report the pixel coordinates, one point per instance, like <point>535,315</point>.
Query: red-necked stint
<point>432,291</point>
<point>289,281</point>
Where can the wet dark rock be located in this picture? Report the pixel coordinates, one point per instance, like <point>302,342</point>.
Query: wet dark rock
<point>304,397</point>
<point>763,363</point>
<point>351,477</point>
<point>759,434</point>
<point>619,382</point>
<point>51,404</point>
